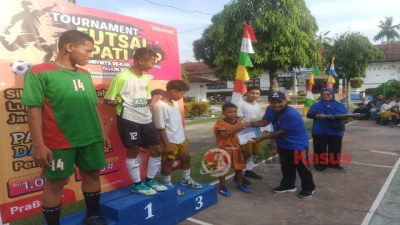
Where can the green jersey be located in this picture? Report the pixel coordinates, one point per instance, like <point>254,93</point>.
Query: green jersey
<point>132,92</point>
<point>68,100</point>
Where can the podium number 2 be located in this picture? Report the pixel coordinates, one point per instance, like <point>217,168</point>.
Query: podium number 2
<point>199,201</point>
<point>149,208</point>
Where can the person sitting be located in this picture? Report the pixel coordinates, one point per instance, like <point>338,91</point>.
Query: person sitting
<point>375,105</point>
<point>364,112</point>
<point>388,112</point>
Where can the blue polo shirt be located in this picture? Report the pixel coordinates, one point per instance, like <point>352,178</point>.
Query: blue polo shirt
<point>291,121</point>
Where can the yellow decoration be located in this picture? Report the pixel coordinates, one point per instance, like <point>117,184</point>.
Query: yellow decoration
<point>241,73</point>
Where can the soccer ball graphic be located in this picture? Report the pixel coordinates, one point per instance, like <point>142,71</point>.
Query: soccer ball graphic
<point>216,163</point>
<point>19,67</point>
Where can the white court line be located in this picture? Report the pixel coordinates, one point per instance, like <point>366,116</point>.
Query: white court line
<point>367,164</point>
<point>375,205</point>
<point>385,152</point>
<point>198,221</point>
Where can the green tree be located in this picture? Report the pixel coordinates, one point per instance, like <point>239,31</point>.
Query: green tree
<point>353,52</point>
<point>390,88</point>
<point>388,30</point>
<point>285,31</point>
<point>184,75</point>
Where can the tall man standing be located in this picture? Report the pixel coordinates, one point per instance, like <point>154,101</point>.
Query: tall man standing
<point>291,138</point>
<point>65,126</point>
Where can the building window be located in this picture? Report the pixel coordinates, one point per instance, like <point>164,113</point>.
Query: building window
<point>201,85</point>
<point>285,81</point>
<point>254,82</point>
<point>222,85</point>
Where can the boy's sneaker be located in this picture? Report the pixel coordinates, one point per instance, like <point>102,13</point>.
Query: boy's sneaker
<point>152,183</point>
<point>244,188</point>
<point>281,189</point>
<point>305,194</point>
<point>191,183</point>
<point>179,192</point>
<point>252,174</point>
<point>95,220</point>
<point>142,189</point>
<point>224,192</point>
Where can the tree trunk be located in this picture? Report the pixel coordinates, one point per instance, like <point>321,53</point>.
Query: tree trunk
<point>347,94</point>
<point>295,88</point>
<point>273,81</point>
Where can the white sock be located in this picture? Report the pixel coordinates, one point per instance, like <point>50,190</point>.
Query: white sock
<point>139,159</point>
<point>166,179</point>
<point>186,174</point>
<point>133,167</point>
<point>154,166</point>
<point>250,163</point>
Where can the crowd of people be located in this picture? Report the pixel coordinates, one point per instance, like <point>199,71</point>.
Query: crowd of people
<point>385,111</point>
<point>67,132</point>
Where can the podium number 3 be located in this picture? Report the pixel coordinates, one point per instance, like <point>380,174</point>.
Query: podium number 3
<point>199,201</point>
<point>149,208</point>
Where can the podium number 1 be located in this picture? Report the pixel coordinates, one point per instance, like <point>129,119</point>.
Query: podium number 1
<point>149,208</point>
<point>199,201</point>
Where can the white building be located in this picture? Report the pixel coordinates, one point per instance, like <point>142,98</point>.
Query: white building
<point>203,83</point>
<point>380,71</point>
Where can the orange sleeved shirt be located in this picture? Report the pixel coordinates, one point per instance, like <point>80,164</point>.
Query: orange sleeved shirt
<point>231,142</point>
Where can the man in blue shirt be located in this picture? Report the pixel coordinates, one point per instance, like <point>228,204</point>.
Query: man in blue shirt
<point>291,138</point>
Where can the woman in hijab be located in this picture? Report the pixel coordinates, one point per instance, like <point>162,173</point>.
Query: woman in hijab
<point>327,131</point>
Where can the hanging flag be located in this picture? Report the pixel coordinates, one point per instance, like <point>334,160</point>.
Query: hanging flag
<point>309,100</point>
<point>331,74</point>
<point>242,75</point>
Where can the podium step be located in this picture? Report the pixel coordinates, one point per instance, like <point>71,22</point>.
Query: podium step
<point>195,200</point>
<point>133,209</point>
<point>122,207</point>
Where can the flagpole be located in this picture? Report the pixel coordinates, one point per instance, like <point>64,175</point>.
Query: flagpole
<point>239,87</point>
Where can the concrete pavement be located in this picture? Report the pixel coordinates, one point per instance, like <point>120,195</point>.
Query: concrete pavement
<point>342,197</point>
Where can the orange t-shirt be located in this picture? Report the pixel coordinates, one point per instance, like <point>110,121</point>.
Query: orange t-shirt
<point>231,143</point>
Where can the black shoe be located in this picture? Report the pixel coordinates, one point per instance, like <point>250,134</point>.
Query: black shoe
<point>252,174</point>
<point>94,220</point>
<point>305,194</point>
<point>320,167</point>
<point>281,189</point>
<point>245,181</point>
<point>336,166</point>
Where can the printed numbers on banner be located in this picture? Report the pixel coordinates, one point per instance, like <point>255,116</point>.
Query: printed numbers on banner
<point>59,164</point>
<point>149,209</point>
<point>199,201</point>
<point>78,85</point>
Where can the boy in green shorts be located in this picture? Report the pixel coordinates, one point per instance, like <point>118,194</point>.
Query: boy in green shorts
<point>65,126</point>
<point>129,91</point>
<point>168,121</point>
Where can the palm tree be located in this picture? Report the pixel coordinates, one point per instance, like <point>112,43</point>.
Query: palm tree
<point>388,30</point>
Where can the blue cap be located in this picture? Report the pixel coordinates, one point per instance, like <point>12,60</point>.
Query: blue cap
<point>276,95</point>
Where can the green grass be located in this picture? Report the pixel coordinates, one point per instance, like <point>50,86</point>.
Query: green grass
<point>202,120</point>
<point>308,124</point>
<point>196,158</point>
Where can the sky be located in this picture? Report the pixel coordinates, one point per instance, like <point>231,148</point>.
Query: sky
<point>335,16</point>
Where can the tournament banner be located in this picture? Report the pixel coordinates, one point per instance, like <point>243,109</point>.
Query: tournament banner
<point>29,31</point>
